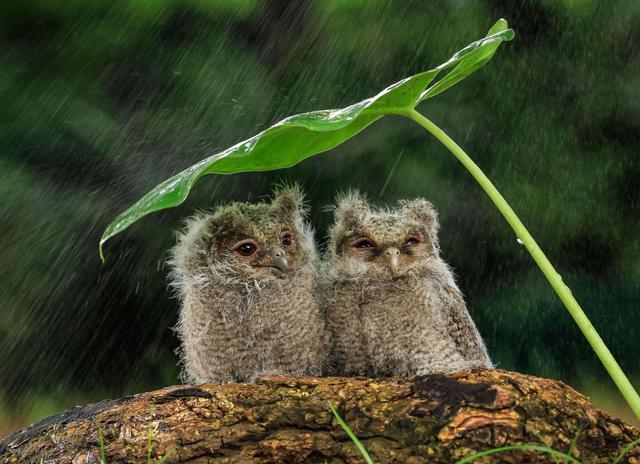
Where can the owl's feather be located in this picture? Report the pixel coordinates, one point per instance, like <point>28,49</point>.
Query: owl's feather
<point>243,316</point>
<point>411,322</point>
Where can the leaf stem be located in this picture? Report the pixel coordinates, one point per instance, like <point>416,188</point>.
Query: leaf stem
<point>563,292</point>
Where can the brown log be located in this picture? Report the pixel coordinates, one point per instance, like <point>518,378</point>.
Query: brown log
<point>431,419</point>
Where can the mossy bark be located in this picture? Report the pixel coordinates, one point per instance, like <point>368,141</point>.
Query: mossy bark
<point>431,419</point>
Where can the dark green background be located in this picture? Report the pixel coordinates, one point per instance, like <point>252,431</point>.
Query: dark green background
<point>102,100</point>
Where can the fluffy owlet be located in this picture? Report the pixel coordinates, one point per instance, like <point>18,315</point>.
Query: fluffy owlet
<point>393,307</point>
<point>246,278</point>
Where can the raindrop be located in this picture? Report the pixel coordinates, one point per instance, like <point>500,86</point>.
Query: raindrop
<point>395,165</point>
<point>520,242</point>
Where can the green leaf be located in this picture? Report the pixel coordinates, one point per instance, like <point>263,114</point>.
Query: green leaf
<point>298,137</point>
<point>470,59</point>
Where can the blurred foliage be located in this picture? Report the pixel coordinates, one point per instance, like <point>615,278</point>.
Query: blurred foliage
<point>102,100</point>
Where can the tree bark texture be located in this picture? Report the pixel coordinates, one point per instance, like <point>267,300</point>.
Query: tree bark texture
<point>431,419</point>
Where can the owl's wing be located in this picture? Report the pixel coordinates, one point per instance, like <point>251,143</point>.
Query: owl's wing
<point>463,330</point>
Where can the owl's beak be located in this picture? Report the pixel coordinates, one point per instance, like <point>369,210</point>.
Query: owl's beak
<point>279,264</point>
<point>393,259</point>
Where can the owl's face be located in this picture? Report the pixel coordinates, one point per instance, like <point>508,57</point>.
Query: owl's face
<point>255,242</point>
<point>384,244</point>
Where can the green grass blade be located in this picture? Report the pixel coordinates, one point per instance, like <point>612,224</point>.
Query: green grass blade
<point>539,448</point>
<point>573,444</point>
<point>166,456</point>
<point>149,443</point>
<point>626,449</point>
<point>352,436</point>
<point>298,137</point>
<point>103,458</point>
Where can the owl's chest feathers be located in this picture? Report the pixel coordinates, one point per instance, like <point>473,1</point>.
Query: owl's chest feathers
<point>253,306</point>
<point>406,296</point>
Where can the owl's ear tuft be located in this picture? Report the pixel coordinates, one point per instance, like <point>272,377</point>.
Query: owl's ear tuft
<point>351,208</point>
<point>423,212</point>
<point>225,218</point>
<point>289,201</point>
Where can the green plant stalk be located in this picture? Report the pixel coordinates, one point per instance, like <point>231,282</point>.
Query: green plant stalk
<point>590,333</point>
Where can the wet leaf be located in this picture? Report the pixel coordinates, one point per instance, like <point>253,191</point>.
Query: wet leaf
<point>298,137</point>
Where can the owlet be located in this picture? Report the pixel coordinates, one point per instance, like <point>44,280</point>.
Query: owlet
<point>246,278</point>
<point>393,307</point>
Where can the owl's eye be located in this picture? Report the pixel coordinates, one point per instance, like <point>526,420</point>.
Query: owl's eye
<point>363,243</point>
<point>246,248</point>
<point>286,239</point>
<point>412,240</point>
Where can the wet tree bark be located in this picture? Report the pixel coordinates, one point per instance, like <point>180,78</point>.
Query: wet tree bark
<point>432,419</point>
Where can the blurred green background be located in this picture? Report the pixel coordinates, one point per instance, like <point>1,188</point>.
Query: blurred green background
<point>102,100</point>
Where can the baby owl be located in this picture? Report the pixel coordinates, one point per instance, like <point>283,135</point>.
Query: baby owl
<point>245,276</point>
<point>393,307</point>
